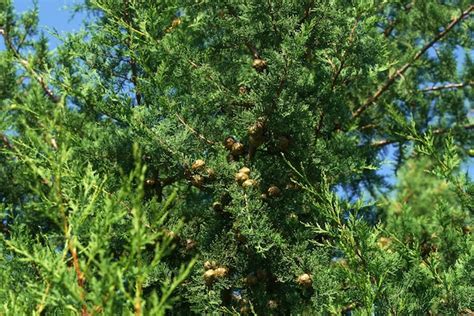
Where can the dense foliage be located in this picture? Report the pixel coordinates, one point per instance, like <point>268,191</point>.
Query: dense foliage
<point>226,157</point>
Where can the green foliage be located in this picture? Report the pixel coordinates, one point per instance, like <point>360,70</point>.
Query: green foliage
<point>245,136</point>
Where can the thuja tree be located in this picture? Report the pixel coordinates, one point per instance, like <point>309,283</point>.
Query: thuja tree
<point>268,122</point>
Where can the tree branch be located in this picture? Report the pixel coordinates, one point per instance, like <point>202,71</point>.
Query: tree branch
<point>254,51</point>
<point>343,57</point>
<point>199,135</point>
<point>438,131</point>
<point>449,86</point>
<point>5,141</point>
<point>391,79</point>
<point>26,65</point>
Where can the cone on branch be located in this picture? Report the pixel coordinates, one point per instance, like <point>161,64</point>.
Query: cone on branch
<point>305,280</point>
<point>229,142</point>
<point>198,164</point>
<point>240,177</point>
<point>259,64</point>
<point>237,149</point>
<point>274,191</point>
<point>249,183</point>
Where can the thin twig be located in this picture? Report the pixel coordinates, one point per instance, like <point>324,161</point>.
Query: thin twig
<point>343,57</point>
<point>438,131</point>
<point>5,141</point>
<point>392,78</point>
<point>254,51</point>
<point>26,65</point>
<point>199,135</point>
<point>449,86</point>
<point>307,12</point>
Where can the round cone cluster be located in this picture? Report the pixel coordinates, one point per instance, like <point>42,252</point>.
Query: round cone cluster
<point>198,174</point>
<point>274,191</point>
<point>197,180</point>
<point>235,148</point>
<point>272,304</point>
<point>213,272</point>
<point>259,64</point>
<point>243,178</point>
<point>198,164</point>
<point>229,142</point>
<point>217,206</point>
<point>208,265</point>
<point>190,244</point>
<point>305,280</point>
<point>256,135</point>
<point>150,182</point>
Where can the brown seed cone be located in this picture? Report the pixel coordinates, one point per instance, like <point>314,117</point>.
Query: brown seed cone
<point>150,182</point>
<point>249,183</point>
<point>221,272</point>
<point>211,174</point>
<point>198,164</point>
<point>259,64</point>
<point>217,206</point>
<point>384,242</point>
<point>240,177</point>
<point>272,304</point>
<point>237,149</point>
<point>170,234</point>
<point>190,244</point>
<point>305,280</point>
<point>243,90</point>
<point>274,191</point>
<point>229,142</point>
<point>208,265</point>
<point>175,22</point>
<point>245,170</point>
<point>209,276</point>
<point>197,180</point>
<point>257,128</point>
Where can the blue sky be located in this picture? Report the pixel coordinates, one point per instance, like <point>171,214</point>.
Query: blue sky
<point>53,14</point>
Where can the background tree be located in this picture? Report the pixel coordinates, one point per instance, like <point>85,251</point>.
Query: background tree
<point>256,113</point>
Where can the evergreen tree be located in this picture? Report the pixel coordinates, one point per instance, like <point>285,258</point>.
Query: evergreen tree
<point>261,127</point>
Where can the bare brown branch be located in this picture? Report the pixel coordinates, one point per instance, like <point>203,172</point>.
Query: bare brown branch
<point>449,86</point>
<point>392,78</point>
